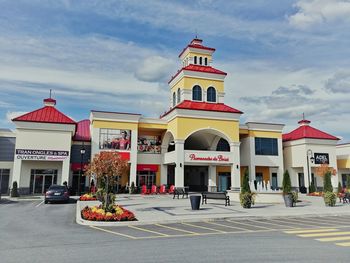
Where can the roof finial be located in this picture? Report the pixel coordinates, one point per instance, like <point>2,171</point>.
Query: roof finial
<point>50,93</point>
<point>303,116</point>
<point>196,34</point>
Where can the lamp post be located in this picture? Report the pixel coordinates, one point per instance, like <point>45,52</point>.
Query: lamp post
<point>309,156</point>
<point>82,152</point>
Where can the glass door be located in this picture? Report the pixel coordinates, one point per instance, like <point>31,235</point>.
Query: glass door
<point>38,184</point>
<point>48,181</point>
<point>41,180</point>
<point>224,182</point>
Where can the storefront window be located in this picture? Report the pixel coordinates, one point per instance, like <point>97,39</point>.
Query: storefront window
<point>266,146</point>
<point>115,139</point>
<point>146,178</point>
<point>41,180</point>
<point>149,144</point>
<point>4,180</point>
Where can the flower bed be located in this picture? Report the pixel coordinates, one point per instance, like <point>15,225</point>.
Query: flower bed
<point>315,194</point>
<point>96,213</point>
<point>87,197</point>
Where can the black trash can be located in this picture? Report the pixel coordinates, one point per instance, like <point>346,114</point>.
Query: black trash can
<point>195,201</point>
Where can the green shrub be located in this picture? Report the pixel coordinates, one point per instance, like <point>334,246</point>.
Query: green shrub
<point>327,183</point>
<point>245,185</point>
<point>330,198</point>
<point>312,187</point>
<point>14,190</point>
<point>247,199</point>
<point>132,188</point>
<point>339,187</point>
<point>295,197</point>
<point>286,183</point>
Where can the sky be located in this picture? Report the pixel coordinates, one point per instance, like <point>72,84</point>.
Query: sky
<point>283,57</point>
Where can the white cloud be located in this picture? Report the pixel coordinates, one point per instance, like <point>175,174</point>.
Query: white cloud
<point>316,12</point>
<point>13,114</point>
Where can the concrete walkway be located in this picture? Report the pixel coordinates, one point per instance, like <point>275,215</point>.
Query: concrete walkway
<point>165,209</point>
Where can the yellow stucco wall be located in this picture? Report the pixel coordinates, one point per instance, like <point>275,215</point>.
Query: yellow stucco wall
<point>265,134</point>
<point>192,54</point>
<point>343,163</point>
<point>114,125</point>
<point>182,127</point>
<point>189,82</point>
<point>157,126</point>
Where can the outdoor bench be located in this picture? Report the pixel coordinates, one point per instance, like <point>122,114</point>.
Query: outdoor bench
<point>180,191</point>
<point>216,195</point>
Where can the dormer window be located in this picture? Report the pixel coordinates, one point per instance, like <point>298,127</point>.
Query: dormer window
<point>206,61</point>
<point>195,59</point>
<point>211,94</point>
<point>178,95</point>
<point>174,99</point>
<point>197,93</point>
<point>200,60</point>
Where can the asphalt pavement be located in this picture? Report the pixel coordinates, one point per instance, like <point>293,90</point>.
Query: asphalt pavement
<point>31,231</point>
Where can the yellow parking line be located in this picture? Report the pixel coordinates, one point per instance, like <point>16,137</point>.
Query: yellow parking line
<point>112,232</point>
<point>326,234</point>
<point>177,229</point>
<point>345,244</point>
<point>149,231</point>
<point>269,223</point>
<point>233,227</point>
<point>310,231</point>
<point>329,239</point>
<point>299,220</point>
<point>203,227</point>
<point>322,220</point>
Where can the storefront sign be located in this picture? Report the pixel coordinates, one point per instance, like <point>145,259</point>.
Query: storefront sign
<point>207,157</point>
<point>321,158</point>
<point>41,155</point>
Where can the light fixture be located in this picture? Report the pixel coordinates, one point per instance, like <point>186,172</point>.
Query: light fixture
<point>172,143</point>
<point>237,166</point>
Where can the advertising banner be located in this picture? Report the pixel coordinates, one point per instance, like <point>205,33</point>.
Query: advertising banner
<point>115,139</point>
<point>149,144</point>
<point>41,155</point>
<point>321,158</point>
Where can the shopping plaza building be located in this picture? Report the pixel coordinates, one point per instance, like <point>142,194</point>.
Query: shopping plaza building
<point>199,142</point>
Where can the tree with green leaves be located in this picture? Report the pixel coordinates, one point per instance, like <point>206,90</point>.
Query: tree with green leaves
<point>312,187</point>
<point>286,183</point>
<point>327,183</point>
<point>245,183</point>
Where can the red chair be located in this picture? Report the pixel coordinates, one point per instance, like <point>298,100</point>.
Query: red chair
<point>154,190</point>
<point>171,189</point>
<point>162,189</point>
<point>144,190</point>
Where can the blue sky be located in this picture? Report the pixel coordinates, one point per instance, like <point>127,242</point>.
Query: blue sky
<point>283,58</point>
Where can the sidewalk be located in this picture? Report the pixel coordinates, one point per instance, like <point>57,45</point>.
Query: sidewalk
<point>165,209</point>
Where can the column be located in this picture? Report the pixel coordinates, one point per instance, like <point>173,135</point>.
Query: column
<point>65,172</point>
<point>179,163</point>
<point>280,172</point>
<point>133,157</point>
<point>307,176</point>
<point>212,178</point>
<point>252,173</point>
<point>16,173</point>
<point>163,174</point>
<point>236,167</point>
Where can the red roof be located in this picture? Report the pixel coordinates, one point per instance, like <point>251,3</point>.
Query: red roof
<point>83,131</point>
<point>196,43</point>
<point>204,106</point>
<point>306,131</point>
<point>47,114</point>
<point>199,68</point>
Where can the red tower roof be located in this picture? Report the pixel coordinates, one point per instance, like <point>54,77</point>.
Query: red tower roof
<point>83,131</point>
<point>196,43</point>
<point>198,68</point>
<point>47,114</point>
<point>306,131</point>
<point>203,106</point>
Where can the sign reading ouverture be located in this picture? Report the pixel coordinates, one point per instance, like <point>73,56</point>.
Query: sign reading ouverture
<point>41,155</point>
<point>208,157</point>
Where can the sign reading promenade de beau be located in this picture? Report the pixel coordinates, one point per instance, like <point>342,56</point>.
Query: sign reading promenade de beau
<point>208,157</point>
<point>41,155</point>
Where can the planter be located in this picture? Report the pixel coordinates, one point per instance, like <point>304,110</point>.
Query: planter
<point>330,198</point>
<point>288,200</point>
<point>195,202</point>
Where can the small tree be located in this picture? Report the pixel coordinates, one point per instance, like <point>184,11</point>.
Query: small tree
<point>14,190</point>
<point>312,187</point>
<point>339,188</point>
<point>107,166</point>
<point>245,183</point>
<point>327,183</point>
<point>286,183</point>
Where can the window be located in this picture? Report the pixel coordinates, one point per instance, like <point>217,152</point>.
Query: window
<point>178,95</point>
<point>149,144</point>
<point>115,139</point>
<point>197,93</point>
<point>223,146</point>
<point>266,146</point>
<point>206,61</point>
<point>211,94</point>
<point>195,59</point>
<point>147,178</point>
<point>4,180</point>
<point>200,60</point>
<point>174,99</point>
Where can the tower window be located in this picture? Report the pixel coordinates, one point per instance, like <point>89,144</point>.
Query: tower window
<point>178,95</point>
<point>195,59</point>
<point>174,99</point>
<point>197,93</point>
<point>200,60</point>
<point>211,94</point>
<point>206,61</point>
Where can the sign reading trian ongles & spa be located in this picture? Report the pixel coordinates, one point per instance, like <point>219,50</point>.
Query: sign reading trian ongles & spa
<point>41,155</point>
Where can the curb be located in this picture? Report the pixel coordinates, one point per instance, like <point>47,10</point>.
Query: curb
<point>81,221</point>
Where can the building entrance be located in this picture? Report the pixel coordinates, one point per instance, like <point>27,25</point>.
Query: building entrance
<point>41,180</point>
<point>196,178</point>
<point>224,182</point>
